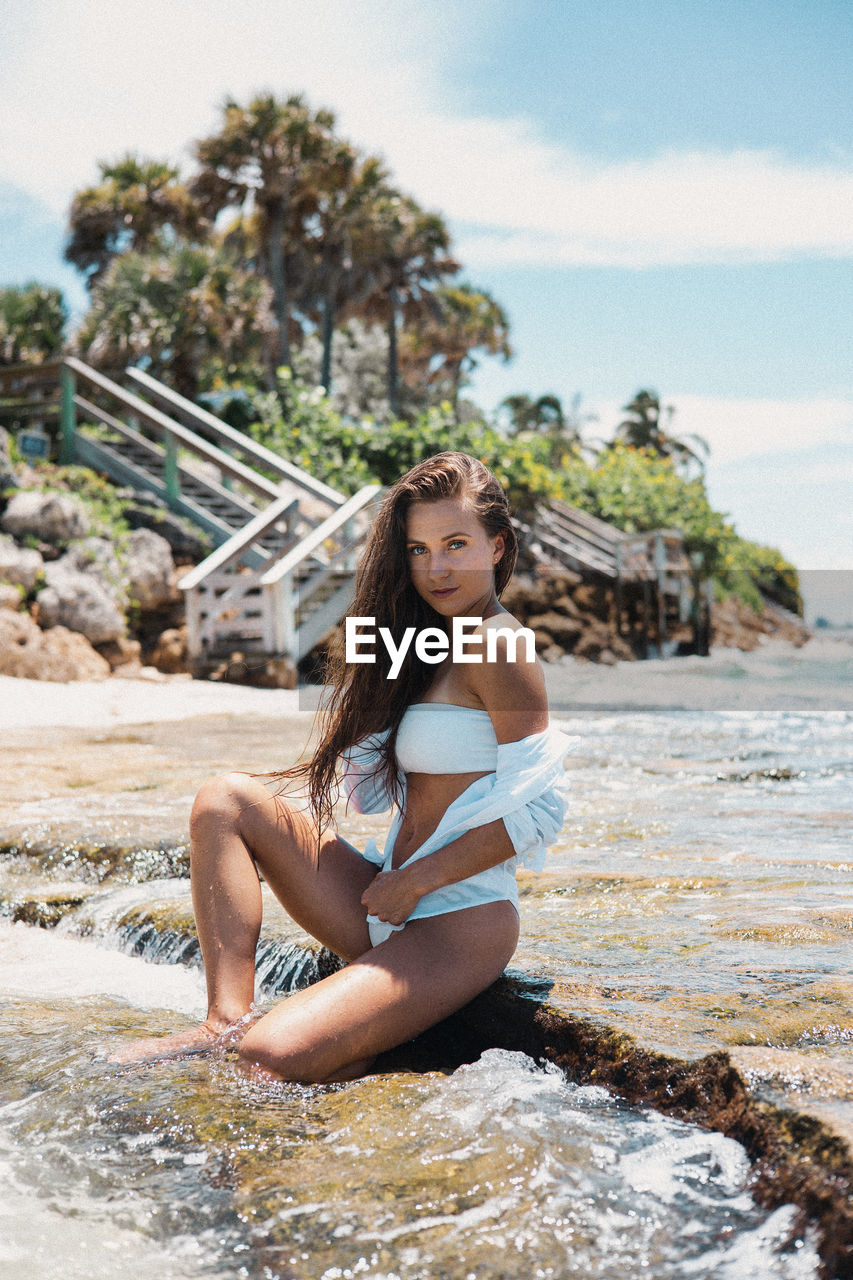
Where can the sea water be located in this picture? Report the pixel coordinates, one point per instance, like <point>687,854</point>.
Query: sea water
<point>701,895</point>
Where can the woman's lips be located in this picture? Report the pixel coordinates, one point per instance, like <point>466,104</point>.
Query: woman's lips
<point>441,593</point>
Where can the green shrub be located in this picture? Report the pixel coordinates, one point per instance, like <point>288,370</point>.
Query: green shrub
<point>636,490</point>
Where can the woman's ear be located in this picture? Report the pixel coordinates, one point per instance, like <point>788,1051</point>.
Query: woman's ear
<point>498,552</point>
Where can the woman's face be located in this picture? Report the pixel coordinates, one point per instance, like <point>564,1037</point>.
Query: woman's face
<point>452,558</point>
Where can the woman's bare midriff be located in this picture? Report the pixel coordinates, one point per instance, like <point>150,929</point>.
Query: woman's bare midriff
<point>428,796</point>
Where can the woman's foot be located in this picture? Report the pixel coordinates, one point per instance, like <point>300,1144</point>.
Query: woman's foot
<point>201,1039</point>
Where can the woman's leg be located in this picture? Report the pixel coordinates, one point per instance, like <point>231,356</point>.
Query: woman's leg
<point>236,830</point>
<point>423,973</point>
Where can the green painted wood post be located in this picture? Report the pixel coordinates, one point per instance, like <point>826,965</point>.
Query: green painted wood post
<point>170,470</point>
<point>67,415</point>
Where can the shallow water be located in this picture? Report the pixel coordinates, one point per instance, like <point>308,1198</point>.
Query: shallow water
<point>189,1169</point>
<point>701,895</point>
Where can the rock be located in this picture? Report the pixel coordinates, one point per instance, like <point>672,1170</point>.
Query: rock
<point>785,625</point>
<point>97,558</point>
<point>562,630</point>
<point>80,602</point>
<point>522,595</point>
<point>123,653</point>
<point>263,673</point>
<point>170,652</point>
<point>187,546</point>
<point>591,597</point>
<point>565,604</point>
<point>19,565</point>
<point>53,517</point>
<point>150,569</point>
<point>734,625</point>
<point>10,597</point>
<point>57,655</point>
<point>596,639</point>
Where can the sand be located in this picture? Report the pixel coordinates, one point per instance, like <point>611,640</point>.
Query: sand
<point>777,676</point>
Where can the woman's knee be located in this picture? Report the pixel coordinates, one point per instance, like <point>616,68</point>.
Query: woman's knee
<point>223,799</point>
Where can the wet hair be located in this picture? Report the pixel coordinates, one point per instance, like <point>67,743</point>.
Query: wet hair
<point>362,700</point>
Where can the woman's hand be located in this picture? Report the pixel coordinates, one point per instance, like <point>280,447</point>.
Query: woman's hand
<point>392,896</point>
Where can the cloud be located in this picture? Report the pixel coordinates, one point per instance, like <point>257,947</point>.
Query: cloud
<point>149,75</point>
<point>676,209</point>
<point>751,427</point>
<point>81,81</point>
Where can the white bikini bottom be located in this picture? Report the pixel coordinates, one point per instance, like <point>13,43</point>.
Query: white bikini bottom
<point>497,884</point>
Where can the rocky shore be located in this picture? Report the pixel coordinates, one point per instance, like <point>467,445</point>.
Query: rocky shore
<point>78,602</point>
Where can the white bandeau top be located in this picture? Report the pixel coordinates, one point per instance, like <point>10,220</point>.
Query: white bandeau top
<point>442,737</point>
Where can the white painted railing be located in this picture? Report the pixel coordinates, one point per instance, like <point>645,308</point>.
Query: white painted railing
<point>287,605</point>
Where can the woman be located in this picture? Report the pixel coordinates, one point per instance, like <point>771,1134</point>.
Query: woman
<point>461,746</point>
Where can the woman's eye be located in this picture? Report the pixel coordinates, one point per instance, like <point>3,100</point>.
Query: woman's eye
<point>457,542</point>
<point>416,551</point>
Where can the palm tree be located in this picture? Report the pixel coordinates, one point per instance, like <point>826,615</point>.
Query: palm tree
<point>440,350</point>
<point>340,237</point>
<point>644,430</point>
<point>527,414</point>
<point>546,416</point>
<point>186,311</point>
<point>406,251</point>
<point>135,201</point>
<point>32,324</point>
<point>260,162</point>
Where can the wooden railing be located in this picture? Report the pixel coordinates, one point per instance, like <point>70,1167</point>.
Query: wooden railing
<point>654,562</point>
<point>282,572</point>
<point>584,542</point>
<point>207,425</point>
<point>287,605</point>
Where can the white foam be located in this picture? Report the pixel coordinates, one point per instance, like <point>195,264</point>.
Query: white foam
<point>38,964</point>
<point>83,1244</point>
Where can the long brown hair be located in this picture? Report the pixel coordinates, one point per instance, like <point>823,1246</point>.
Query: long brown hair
<point>363,700</point>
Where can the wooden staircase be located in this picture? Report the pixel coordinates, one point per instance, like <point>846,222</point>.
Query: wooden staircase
<point>282,571</point>
<point>655,592</point>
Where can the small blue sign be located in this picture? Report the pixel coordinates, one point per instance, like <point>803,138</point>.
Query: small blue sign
<point>33,444</point>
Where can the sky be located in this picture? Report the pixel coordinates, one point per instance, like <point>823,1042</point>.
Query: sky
<point>658,192</point>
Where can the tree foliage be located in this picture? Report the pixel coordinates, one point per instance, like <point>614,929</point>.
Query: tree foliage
<point>439,352</point>
<point>264,161</point>
<point>184,312</point>
<point>637,490</point>
<point>32,324</point>
<point>289,248</point>
<point>135,202</point>
<point>645,429</point>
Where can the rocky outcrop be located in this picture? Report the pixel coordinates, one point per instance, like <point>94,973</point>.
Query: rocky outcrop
<point>22,566</point>
<point>51,517</point>
<point>169,655</point>
<point>568,615</point>
<point>734,625</point>
<point>79,601</point>
<point>55,655</point>
<point>71,606</point>
<point>149,570</point>
<point>188,545</point>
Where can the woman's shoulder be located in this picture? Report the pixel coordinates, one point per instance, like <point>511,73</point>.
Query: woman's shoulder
<point>510,670</point>
<point>502,619</point>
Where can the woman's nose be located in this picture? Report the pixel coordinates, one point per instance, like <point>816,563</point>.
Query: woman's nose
<point>438,564</point>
